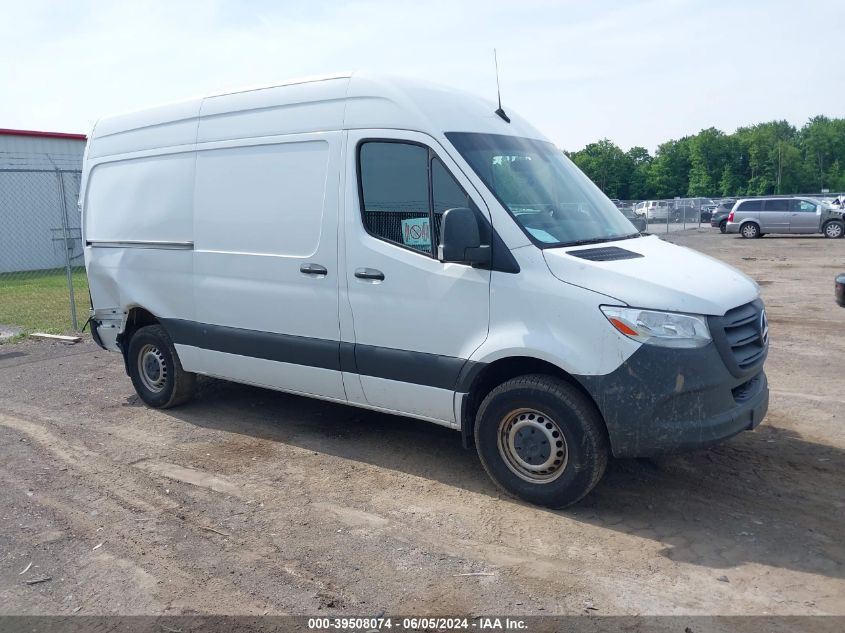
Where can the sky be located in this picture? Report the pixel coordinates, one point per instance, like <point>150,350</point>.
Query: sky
<point>637,73</point>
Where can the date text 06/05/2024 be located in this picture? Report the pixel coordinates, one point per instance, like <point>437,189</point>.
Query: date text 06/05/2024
<point>416,623</point>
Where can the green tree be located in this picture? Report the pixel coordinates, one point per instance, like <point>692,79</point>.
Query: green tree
<point>668,175</point>
<point>708,151</point>
<point>640,163</point>
<point>606,165</point>
<point>766,158</point>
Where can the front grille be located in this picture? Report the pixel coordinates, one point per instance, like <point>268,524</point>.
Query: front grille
<point>742,337</point>
<point>744,334</point>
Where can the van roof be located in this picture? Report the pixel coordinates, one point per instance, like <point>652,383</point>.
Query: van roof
<point>314,104</point>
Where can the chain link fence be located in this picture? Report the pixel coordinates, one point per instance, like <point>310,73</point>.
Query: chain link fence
<point>678,214</point>
<point>43,287</point>
<point>669,215</point>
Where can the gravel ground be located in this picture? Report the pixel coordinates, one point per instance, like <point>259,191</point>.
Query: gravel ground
<point>250,501</point>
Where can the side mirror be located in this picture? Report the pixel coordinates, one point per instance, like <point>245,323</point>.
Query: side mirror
<point>460,238</point>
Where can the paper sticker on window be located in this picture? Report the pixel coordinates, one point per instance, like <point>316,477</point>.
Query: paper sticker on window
<point>416,232</point>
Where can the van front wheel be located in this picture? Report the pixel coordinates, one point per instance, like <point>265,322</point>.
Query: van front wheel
<point>834,229</point>
<point>541,439</point>
<point>155,369</point>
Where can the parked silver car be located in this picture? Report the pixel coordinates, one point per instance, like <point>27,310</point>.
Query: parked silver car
<point>755,217</point>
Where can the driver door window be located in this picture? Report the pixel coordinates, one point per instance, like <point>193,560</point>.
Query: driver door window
<point>405,189</point>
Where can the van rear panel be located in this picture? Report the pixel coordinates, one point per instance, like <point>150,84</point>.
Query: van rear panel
<point>138,238</point>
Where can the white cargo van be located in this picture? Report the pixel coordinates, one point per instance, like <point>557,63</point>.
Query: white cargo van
<point>405,248</point>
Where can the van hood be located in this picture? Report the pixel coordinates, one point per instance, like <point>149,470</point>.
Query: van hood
<point>656,275</point>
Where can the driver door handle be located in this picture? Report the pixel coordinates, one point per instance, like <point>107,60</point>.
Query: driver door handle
<point>369,273</point>
<point>313,269</point>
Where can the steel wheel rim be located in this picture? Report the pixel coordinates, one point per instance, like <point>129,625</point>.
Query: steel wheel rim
<point>533,446</point>
<point>833,230</point>
<point>152,368</point>
<point>748,230</point>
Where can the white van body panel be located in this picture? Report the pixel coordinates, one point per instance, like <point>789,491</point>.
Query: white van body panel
<point>250,279</point>
<point>157,279</point>
<point>667,277</point>
<point>168,125</point>
<point>161,185</point>
<point>259,372</point>
<point>141,258</point>
<point>566,328</point>
<point>290,109</point>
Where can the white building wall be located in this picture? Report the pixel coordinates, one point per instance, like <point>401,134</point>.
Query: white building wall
<point>30,203</point>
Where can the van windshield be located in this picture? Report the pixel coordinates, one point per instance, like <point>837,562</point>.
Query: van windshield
<point>548,196</point>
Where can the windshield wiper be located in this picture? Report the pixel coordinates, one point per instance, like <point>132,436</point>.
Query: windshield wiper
<point>598,240</point>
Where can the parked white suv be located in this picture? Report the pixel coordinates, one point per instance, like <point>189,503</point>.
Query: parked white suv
<point>405,248</point>
<point>657,210</point>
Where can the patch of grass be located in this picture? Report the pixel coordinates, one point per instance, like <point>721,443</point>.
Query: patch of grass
<point>38,300</point>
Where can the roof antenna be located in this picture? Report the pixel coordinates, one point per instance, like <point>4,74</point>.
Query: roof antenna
<point>500,112</point>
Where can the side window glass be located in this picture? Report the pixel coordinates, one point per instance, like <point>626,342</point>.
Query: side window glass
<point>394,188</point>
<point>805,206</point>
<point>777,205</point>
<point>446,194</point>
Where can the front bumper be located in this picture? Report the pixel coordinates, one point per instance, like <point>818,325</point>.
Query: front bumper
<point>672,400</point>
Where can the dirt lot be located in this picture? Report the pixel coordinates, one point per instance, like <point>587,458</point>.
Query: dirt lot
<point>251,502</point>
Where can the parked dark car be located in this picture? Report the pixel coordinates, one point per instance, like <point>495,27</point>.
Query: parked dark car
<point>685,213</point>
<point>719,219</point>
<point>707,211</point>
<point>638,221</point>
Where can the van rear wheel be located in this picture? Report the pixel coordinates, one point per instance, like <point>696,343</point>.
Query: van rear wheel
<point>541,439</point>
<point>156,371</point>
<point>750,231</point>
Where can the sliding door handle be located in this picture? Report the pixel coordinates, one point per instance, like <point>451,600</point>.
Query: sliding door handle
<point>369,273</point>
<point>313,269</point>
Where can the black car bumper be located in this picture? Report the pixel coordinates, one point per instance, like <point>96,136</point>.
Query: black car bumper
<point>670,400</point>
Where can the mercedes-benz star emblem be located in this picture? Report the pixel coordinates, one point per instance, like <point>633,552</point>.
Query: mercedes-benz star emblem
<point>764,329</point>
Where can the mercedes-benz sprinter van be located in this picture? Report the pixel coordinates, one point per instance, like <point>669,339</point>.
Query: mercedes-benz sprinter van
<point>406,248</point>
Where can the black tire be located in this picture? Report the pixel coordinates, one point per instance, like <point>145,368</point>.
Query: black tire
<point>834,229</point>
<point>152,346</point>
<point>723,226</point>
<point>750,231</point>
<point>547,401</point>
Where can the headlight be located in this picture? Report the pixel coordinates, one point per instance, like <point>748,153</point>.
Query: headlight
<point>666,329</point>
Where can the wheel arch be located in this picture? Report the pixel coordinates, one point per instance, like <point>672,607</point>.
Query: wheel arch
<point>136,318</point>
<point>488,376</point>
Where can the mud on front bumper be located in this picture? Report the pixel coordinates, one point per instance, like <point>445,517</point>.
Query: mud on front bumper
<point>670,400</point>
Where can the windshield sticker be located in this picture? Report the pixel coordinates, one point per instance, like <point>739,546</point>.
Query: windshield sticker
<point>416,232</point>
